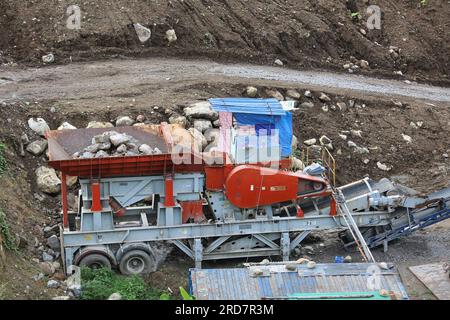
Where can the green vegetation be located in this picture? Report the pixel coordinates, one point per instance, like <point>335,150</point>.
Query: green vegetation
<point>185,295</point>
<point>99,284</point>
<point>2,159</point>
<point>8,239</point>
<point>355,15</point>
<point>423,3</point>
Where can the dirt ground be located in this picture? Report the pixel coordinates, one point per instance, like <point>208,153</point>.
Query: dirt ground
<point>419,164</point>
<point>302,33</point>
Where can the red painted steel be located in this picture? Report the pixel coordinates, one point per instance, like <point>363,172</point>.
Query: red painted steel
<point>192,210</point>
<point>169,200</point>
<point>96,197</point>
<point>250,186</point>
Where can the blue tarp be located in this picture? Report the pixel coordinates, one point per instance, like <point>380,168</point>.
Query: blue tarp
<point>248,105</point>
<point>264,114</point>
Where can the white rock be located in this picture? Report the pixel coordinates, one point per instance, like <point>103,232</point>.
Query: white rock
<point>251,92</point>
<point>212,135</point>
<point>66,126</point>
<point>366,161</point>
<point>119,138</point>
<point>177,119</point>
<point>297,164</point>
<point>325,108</point>
<point>419,124</point>
<point>115,296</point>
<point>351,144</point>
<point>47,180</point>
<point>49,58</point>
<point>52,284</point>
<point>274,94</point>
<point>308,94</point>
<point>294,94</point>
<point>201,110</point>
<point>364,64</point>
<point>202,125</point>
<point>356,133</point>
<point>38,125</point>
<point>310,142</point>
<point>37,147</point>
<point>324,98</point>
<point>326,142</point>
<point>199,140</point>
<point>361,150</point>
<point>383,167</point>
<point>278,62</point>
<point>143,33</point>
<point>98,124</point>
<point>124,121</point>
<point>145,149</point>
<point>343,136</point>
<point>413,125</point>
<point>407,138</point>
<point>342,106</point>
<point>171,36</point>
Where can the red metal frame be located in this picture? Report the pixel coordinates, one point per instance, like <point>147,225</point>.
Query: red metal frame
<point>169,200</point>
<point>96,197</point>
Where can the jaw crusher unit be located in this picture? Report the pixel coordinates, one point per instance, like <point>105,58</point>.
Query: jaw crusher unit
<point>130,207</point>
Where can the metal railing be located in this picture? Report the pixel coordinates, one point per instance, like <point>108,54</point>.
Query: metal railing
<point>321,155</point>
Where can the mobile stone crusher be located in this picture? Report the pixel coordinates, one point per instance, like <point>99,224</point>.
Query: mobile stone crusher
<point>236,206</point>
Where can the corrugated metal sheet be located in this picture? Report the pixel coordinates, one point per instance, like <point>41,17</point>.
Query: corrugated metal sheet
<point>278,282</point>
<point>248,105</point>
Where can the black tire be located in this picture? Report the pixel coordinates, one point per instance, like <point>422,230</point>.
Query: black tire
<point>136,262</point>
<point>95,261</point>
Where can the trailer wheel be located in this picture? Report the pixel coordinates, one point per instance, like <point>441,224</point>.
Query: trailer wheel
<point>136,262</point>
<point>95,261</point>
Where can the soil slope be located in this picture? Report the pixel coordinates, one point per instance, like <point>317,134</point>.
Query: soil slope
<point>302,33</point>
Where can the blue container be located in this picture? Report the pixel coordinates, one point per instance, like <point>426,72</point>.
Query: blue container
<point>338,259</point>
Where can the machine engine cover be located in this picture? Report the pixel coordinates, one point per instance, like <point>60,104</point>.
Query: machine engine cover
<point>250,186</point>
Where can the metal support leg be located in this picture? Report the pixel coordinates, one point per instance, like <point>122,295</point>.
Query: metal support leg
<point>385,246</point>
<point>198,253</point>
<point>298,239</point>
<point>285,246</point>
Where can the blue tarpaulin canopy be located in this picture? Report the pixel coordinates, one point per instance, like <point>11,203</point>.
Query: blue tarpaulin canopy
<point>264,114</point>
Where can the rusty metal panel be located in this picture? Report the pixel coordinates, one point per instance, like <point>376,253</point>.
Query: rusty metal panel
<point>277,282</point>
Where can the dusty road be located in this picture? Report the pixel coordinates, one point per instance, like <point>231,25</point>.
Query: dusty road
<point>121,77</point>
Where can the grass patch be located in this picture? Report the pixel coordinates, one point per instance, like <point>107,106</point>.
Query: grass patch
<point>8,239</point>
<point>3,163</point>
<point>99,284</point>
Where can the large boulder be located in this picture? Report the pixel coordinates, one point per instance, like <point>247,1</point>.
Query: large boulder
<point>38,125</point>
<point>177,119</point>
<point>124,121</point>
<point>202,125</point>
<point>201,110</point>
<point>198,139</point>
<point>274,94</point>
<point>293,94</point>
<point>37,147</point>
<point>47,180</point>
<point>99,124</point>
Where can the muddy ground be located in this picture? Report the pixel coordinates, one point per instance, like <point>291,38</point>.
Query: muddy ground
<point>382,119</point>
<point>302,33</point>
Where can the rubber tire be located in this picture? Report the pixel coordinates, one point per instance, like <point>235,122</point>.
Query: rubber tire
<point>95,259</point>
<point>148,262</point>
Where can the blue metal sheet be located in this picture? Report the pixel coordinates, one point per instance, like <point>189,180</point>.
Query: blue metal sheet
<point>239,284</point>
<point>248,106</point>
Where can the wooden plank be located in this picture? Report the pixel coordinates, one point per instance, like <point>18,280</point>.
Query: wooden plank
<point>434,278</point>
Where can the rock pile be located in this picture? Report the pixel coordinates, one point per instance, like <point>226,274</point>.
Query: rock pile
<point>115,144</point>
